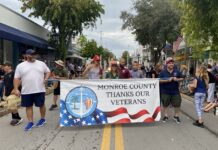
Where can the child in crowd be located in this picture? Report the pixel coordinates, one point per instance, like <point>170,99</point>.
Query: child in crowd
<point>135,72</point>
<point>8,88</point>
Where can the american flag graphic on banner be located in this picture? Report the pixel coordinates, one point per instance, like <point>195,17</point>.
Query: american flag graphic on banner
<point>177,43</point>
<point>66,119</point>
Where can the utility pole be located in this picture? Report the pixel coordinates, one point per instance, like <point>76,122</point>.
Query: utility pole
<point>127,58</point>
<point>101,38</point>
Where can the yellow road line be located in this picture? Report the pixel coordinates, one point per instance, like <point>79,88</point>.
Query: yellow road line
<point>105,144</point>
<point>119,145</point>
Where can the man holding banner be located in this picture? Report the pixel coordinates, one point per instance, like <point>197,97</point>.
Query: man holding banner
<point>32,75</point>
<point>169,79</point>
<point>123,71</point>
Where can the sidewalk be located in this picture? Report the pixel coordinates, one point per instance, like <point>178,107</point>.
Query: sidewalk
<point>210,120</point>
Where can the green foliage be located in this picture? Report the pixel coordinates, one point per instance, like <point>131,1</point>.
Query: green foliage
<point>154,22</point>
<point>107,55</point>
<point>127,57</point>
<point>67,18</point>
<point>90,49</point>
<point>200,24</point>
<point>82,41</point>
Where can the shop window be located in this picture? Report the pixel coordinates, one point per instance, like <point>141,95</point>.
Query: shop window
<point>7,51</point>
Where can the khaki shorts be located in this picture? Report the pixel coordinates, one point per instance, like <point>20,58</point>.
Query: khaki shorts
<point>175,100</point>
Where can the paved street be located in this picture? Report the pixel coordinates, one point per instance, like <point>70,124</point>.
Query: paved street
<point>154,136</point>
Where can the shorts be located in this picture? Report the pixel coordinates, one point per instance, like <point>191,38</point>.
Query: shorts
<point>28,100</point>
<point>57,89</point>
<point>167,99</point>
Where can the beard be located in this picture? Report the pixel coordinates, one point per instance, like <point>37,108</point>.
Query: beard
<point>31,58</point>
<point>121,66</point>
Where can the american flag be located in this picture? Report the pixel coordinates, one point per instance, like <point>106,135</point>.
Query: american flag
<point>67,120</point>
<point>167,47</point>
<point>177,43</point>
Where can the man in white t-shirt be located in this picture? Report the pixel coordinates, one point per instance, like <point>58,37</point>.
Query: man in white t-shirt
<point>32,74</point>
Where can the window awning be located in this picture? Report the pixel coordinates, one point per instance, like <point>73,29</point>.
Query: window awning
<point>16,35</point>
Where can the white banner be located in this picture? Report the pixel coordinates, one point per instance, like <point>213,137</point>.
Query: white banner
<point>91,102</point>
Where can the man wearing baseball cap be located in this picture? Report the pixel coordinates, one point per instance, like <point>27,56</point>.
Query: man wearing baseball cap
<point>169,84</point>
<point>32,74</point>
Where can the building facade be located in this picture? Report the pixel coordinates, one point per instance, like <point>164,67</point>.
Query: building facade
<point>18,33</point>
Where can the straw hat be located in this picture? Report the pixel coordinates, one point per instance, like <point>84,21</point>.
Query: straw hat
<point>60,63</point>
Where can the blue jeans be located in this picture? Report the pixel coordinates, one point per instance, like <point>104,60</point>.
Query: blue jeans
<point>199,100</point>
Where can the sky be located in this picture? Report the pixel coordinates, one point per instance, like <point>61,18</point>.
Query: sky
<point>107,33</point>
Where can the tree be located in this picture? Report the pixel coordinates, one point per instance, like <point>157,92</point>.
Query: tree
<point>67,18</point>
<point>199,23</point>
<point>127,57</point>
<point>90,49</point>
<point>154,22</point>
<point>107,54</point>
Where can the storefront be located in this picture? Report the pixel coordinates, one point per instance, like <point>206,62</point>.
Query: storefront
<point>18,34</point>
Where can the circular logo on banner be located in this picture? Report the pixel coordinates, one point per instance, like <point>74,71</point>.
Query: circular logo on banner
<point>81,102</point>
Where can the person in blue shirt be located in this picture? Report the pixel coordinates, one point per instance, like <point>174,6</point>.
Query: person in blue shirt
<point>169,84</point>
<point>200,84</point>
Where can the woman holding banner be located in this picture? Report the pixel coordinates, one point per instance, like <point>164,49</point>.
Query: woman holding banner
<point>94,70</point>
<point>114,72</point>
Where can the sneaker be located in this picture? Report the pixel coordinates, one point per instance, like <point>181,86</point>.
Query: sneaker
<point>165,118</point>
<point>177,119</point>
<point>29,126</point>
<point>41,123</point>
<point>196,123</point>
<point>53,107</point>
<point>16,122</point>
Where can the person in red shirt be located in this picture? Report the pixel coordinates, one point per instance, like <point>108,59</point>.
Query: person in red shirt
<point>123,71</point>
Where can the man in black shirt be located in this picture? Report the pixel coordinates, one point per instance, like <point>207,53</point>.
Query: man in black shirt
<point>8,87</point>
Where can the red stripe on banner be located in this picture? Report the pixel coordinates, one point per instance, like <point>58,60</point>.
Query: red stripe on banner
<point>148,120</point>
<point>152,119</point>
<point>157,110</point>
<point>123,110</point>
<point>139,114</point>
<point>124,120</point>
<point>118,111</point>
